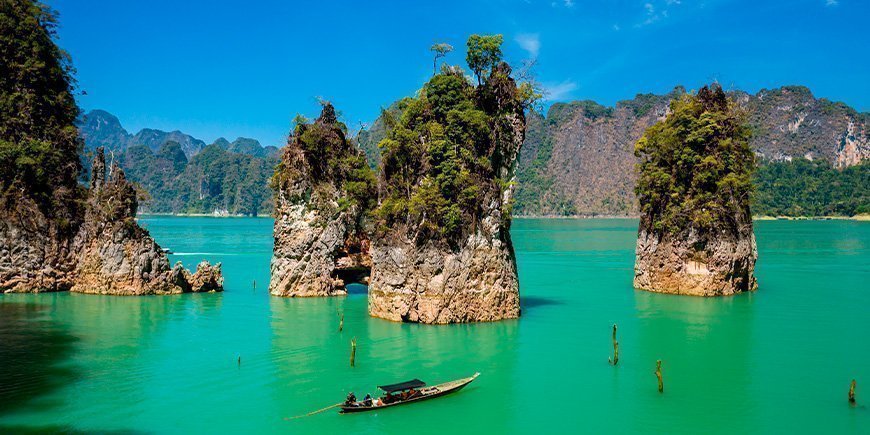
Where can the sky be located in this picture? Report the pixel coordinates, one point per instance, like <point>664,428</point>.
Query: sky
<point>246,68</point>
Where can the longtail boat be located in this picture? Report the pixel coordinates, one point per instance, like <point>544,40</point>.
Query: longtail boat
<point>402,393</point>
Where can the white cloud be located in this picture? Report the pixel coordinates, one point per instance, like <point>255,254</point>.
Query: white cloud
<point>559,91</point>
<point>570,3</point>
<point>530,42</point>
<point>832,3</point>
<point>616,27</point>
<point>659,10</point>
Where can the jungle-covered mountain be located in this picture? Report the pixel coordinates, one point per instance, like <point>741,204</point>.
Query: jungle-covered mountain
<point>181,174</point>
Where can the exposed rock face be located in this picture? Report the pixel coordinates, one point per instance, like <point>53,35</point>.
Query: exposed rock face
<point>422,270</point>
<point>320,243</point>
<point>34,251</point>
<point>117,256</point>
<point>578,160</point>
<point>674,264</point>
<point>695,235</point>
<point>430,284</point>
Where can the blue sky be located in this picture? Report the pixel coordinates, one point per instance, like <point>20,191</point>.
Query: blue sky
<point>221,68</point>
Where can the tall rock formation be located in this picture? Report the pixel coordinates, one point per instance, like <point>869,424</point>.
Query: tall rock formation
<point>695,235</point>
<point>442,251</point>
<point>324,192</point>
<point>54,234</point>
<point>117,256</point>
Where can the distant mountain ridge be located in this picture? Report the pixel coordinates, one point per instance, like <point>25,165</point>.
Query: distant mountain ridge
<point>182,174</point>
<point>101,128</point>
<point>577,159</point>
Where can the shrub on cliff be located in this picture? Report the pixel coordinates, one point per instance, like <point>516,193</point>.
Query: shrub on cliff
<point>442,158</point>
<point>330,158</point>
<point>696,165</point>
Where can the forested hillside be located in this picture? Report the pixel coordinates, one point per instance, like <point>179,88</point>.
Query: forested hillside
<point>224,178</point>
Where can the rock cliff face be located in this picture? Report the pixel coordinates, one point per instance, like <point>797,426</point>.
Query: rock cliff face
<point>578,160</point>
<point>430,284</point>
<point>104,252</point>
<point>320,240</point>
<point>116,256</point>
<point>443,252</point>
<point>675,264</point>
<point>35,251</point>
<point>695,235</point>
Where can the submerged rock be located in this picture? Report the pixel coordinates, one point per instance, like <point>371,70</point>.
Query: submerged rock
<point>114,255</point>
<point>324,189</point>
<point>695,235</point>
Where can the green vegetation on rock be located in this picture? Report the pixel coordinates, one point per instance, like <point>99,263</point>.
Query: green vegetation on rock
<point>696,164</point>
<point>442,158</point>
<point>39,142</point>
<point>329,157</point>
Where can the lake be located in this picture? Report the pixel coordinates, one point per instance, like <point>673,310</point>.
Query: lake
<point>775,361</point>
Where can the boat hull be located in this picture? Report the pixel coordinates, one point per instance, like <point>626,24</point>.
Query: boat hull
<point>442,392</point>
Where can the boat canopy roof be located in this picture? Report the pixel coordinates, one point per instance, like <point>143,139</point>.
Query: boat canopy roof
<point>401,386</point>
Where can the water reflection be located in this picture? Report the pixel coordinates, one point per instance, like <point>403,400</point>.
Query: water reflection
<point>34,351</point>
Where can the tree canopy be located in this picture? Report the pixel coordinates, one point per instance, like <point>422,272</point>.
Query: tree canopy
<point>484,53</point>
<point>331,158</point>
<point>696,165</point>
<point>39,142</point>
<point>442,159</point>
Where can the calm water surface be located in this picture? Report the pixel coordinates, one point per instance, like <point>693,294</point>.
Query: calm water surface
<point>776,361</point>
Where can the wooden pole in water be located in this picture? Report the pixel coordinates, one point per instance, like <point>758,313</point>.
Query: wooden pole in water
<point>615,359</point>
<point>255,285</point>
<point>852,392</point>
<point>340,322</point>
<point>353,352</point>
<point>659,375</point>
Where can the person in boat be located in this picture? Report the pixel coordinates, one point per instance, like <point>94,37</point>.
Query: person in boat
<point>351,399</point>
<point>389,398</point>
<point>367,401</point>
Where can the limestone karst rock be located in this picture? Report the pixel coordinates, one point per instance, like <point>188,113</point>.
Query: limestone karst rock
<point>442,251</point>
<point>695,235</point>
<point>324,189</point>
<point>56,235</point>
<point>114,255</point>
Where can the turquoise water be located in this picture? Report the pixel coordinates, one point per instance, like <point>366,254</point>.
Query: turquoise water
<point>776,361</point>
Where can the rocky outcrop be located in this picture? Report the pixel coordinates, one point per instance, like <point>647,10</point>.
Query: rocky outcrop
<point>675,264</point>
<point>320,240</point>
<point>116,256</point>
<point>695,235</point>
<point>439,257</point>
<point>430,284</point>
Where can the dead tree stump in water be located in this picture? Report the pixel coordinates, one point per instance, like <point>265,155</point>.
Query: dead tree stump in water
<point>659,376</point>
<point>340,322</point>
<point>615,359</point>
<point>852,392</point>
<point>353,352</point>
